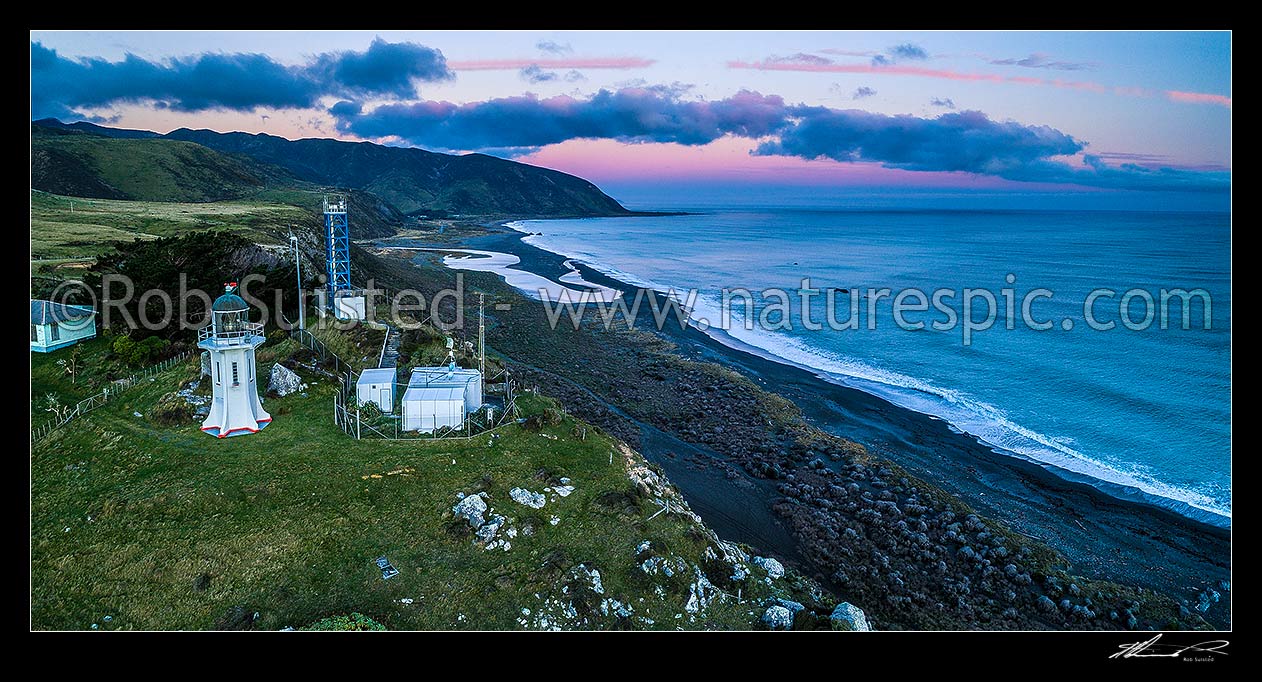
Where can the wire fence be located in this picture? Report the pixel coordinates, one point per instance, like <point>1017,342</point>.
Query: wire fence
<point>341,369</point>
<point>109,392</point>
<point>349,417</point>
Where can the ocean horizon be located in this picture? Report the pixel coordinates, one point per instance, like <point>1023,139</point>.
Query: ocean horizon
<point>1145,413</point>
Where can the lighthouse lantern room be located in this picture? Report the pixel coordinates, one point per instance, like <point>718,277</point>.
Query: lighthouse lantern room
<point>231,339</point>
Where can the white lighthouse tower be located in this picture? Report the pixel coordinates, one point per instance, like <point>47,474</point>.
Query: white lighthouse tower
<point>231,339</point>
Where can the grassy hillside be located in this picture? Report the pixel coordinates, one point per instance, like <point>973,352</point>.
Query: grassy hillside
<point>419,181</point>
<point>86,160</point>
<point>78,164</point>
<point>64,226</point>
<point>94,372</point>
<point>164,527</point>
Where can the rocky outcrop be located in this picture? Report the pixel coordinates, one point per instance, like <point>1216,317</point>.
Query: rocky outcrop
<point>777,617</point>
<point>847,616</point>
<point>471,509</point>
<point>774,569</point>
<point>283,381</point>
<point>525,497</point>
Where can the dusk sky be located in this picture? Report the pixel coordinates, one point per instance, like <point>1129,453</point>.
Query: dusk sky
<point>1113,120</point>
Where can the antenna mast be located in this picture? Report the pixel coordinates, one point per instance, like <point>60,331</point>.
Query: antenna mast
<point>337,247</point>
<point>482,342</point>
<point>302,321</point>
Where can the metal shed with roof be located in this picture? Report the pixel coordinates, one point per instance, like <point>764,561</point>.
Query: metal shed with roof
<point>376,385</point>
<point>57,325</point>
<point>428,408</point>
<point>450,375</point>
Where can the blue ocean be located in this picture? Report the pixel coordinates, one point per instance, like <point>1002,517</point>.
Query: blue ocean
<point>1148,410</point>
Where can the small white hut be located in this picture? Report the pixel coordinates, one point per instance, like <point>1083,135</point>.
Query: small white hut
<point>438,397</point>
<point>377,386</point>
<point>349,306</point>
<point>56,325</point>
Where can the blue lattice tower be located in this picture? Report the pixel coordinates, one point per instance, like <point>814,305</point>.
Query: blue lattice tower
<point>337,245</point>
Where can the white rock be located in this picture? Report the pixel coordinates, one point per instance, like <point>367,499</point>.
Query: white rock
<point>563,490</point>
<point>471,509</point>
<point>700,594</point>
<point>592,576</point>
<point>486,533</point>
<point>554,520</point>
<point>617,608</point>
<point>774,569</point>
<point>283,381</point>
<point>777,617</point>
<point>527,498</point>
<point>847,616</point>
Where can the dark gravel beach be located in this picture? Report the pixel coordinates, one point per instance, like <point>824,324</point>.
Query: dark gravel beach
<point>788,494</point>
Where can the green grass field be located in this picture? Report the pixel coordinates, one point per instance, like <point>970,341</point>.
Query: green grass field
<point>49,378</point>
<point>63,227</point>
<point>167,528</point>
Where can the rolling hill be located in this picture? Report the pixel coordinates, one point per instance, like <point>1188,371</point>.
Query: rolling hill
<point>74,163</point>
<point>413,181</point>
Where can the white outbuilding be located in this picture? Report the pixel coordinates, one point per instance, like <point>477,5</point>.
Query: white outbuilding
<point>450,375</point>
<point>56,325</point>
<point>349,306</point>
<point>427,409</point>
<point>438,397</point>
<point>377,386</point>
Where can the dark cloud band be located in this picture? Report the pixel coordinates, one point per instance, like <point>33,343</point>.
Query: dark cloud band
<point>966,141</point>
<point>240,81</point>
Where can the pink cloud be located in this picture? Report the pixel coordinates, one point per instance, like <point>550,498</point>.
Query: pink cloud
<point>912,70</point>
<point>728,160</point>
<point>561,63</point>
<point>1198,98</point>
<point>850,53</point>
<point>813,66</point>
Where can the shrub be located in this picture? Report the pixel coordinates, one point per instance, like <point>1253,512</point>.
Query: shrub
<point>549,416</point>
<point>369,411</point>
<point>138,353</point>
<point>353,622</point>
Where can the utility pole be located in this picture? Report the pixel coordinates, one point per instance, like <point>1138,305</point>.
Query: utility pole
<point>482,343</point>
<point>302,320</point>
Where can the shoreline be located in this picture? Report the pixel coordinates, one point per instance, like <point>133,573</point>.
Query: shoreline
<point>1119,491</point>
<point>1101,535</point>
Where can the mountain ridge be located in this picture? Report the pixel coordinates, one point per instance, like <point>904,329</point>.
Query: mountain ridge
<point>413,181</point>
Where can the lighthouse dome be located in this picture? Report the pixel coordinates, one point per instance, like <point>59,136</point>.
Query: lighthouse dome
<point>229,303</point>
